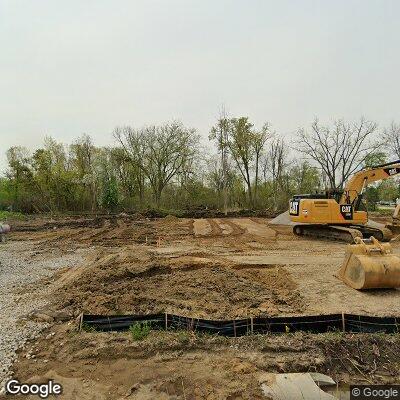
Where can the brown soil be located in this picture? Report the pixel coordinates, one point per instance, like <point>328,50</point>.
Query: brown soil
<point>144,266</point>
<point>105,231</point>
<point>214,268</point>
<point>180,365</point>
<point>135,281</point>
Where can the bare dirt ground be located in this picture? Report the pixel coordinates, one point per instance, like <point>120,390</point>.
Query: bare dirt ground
<point>216,268</point>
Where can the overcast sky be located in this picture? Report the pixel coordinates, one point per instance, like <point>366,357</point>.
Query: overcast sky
<point>71,67</point>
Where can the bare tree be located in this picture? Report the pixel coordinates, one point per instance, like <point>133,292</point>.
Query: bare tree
<point>132,147</point>
<point>259,140</point>
<point>392,138</point>
<point>161,152</point>
<point>275,164</point>
<point>220,133</point>
<point>130,176</point>
<point>82,153</point>
<point>339,150</point>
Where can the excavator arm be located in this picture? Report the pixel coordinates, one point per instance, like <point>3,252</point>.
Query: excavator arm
<point>360,180</point>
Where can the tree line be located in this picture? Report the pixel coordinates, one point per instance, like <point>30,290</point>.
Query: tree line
<point>166,167</point>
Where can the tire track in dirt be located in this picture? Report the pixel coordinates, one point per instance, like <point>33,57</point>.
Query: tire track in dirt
<point>207,228</point>
<point>236,229</point>
<point>216,229</point>
<point>255,229</point>
<point>226,228</point>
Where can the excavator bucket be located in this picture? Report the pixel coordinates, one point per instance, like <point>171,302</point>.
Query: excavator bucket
<point>370,264</point>
<point>394,226</point>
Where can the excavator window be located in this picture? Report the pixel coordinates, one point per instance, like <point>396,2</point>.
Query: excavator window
<point>334,194</point>
<point>359,203</point>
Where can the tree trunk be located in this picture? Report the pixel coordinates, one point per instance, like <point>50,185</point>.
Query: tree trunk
<point>248,181</point>
<point>256,181</point>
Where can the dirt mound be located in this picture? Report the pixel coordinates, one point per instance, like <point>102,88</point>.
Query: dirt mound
<point>282,219</point>
<point>134,281</point>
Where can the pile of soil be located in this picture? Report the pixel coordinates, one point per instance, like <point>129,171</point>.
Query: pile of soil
<point>133,281</point>
<point>282,219</point>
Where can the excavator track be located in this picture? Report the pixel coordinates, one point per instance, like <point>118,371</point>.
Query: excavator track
<point>346,234</point>
<point>331,232</point>
<point>381,234</point>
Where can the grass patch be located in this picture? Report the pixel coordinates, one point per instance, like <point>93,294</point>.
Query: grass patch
<point>88,328</point>
<point>140,330</point>
<point>183,337</point>
<point>335,335</point>
<point>384,211</point>
<point>9,215</point>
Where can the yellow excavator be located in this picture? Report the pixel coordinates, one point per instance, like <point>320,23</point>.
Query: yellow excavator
<point>341,214</point>
<point>368,264</point>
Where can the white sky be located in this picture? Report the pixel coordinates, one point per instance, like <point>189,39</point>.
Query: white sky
<point>73,67</point>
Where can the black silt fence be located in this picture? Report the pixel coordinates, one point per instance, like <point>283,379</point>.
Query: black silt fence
<point>370,324</point>
<point>239,327</point>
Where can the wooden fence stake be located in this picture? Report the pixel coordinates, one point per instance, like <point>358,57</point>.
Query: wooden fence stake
<point>80,321</point>
<point>343,324</point>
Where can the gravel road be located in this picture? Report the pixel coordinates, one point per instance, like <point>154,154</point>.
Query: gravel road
<point>21,266</point>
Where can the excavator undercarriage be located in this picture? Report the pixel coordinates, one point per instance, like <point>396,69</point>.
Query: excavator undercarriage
<point>345,233</point>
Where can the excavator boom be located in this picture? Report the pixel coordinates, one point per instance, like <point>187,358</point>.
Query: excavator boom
<point>360,180</point>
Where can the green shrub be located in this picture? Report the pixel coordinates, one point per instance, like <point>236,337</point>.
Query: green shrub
<point>87,328</point>
<point>140,330</point>
<point>9,215</point>
<point>183,337</point>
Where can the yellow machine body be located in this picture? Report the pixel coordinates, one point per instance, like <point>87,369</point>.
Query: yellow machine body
<point>340,214</point>
<point>325,211</point>
<point>370,264</point>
